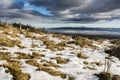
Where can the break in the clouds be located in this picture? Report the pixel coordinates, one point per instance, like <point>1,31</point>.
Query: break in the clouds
<point>75,11</point>
<point>13,10</point>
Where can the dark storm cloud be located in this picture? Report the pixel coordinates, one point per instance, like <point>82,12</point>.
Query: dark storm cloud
<point>98,6</point>
<point>91,6</point>
<point>63,8</point>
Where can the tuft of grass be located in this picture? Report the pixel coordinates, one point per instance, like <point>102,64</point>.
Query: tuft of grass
<point>52,71</point>
<point>85,62</point>
<point>70,77</point>
<point>51,44</point>
<point>97,63</point>
<point>61,37</point>
<point>29,34</point>
<point>2,48</point>
<point>32,62</point>
<point>61,60</point>
<point>34,45</point>
<point>20,46</point>
<point>22,55</point>
<point>4,55</point>
<point>49,64</point>
<point>46,68</point>
<point>91,67</point>
<point>5,41</point>
<point>15,69</point>
<point>81,55</point>
<point>82,42</point>
<point>36,55</point>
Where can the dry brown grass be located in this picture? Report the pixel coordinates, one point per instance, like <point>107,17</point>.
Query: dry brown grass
<point>34,45</point>
<point>29,34</point>
<point>89,67</point>
<point>82,42</point>
<point>45,64</point>
<point>49,64</point>
<point>34,55</point>
<point>61,37</point>
<point>4,55</point>
<point>85,62</point>
<point>11,34</point>
<point>46,67</point>
<point>51,44</point>
<point>32,62</point>
<point>22,55</point>
<point>52,72</point>
<point>61,60</point>
<point>81,55</point>
<point>97,63</point>
<point>15,69</point>
<point>20,46</point>
<point>5,41</point>
<point>3,48</point>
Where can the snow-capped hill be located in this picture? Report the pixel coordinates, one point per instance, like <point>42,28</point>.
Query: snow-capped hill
<point>27,53</point>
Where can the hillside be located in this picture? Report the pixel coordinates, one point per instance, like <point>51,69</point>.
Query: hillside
<point>27,53</point>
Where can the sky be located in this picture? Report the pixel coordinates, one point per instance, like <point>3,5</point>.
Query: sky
<point>62,13</point>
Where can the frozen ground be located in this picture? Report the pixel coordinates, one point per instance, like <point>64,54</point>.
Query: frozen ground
<point>78,68</point>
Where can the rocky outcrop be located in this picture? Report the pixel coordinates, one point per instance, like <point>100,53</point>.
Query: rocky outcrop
<point>108,76</point>
<point>114,52</point>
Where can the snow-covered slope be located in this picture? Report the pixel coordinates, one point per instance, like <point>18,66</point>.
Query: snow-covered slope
<point>26,55</point>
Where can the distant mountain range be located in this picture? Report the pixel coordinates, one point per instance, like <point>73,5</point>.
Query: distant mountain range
<point>86,28</point>
<point>84,31</point>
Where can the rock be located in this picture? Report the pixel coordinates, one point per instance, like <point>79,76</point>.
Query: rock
<point>115,77</point>
<point>104,76</point>
<point>114,52</point>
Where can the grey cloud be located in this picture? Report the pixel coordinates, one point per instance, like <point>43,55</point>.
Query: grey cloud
<point>80,11</point>
<point>13,9</point>
<point>62,8</point>
<point>90,6</point>
<point>17,13</point>
<point>10,4</point>
<point>98,6</point>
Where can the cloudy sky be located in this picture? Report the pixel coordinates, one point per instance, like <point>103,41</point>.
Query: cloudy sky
<point>58,13</point>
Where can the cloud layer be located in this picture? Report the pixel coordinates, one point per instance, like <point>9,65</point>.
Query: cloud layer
<point>81,10</point>
<point>13,10</point>
<point>77,11</point>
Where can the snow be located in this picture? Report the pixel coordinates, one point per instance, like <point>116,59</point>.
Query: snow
<point>37,75</point>
<point>3,75</point>
<point>75,65</point>
<point>40,75</point>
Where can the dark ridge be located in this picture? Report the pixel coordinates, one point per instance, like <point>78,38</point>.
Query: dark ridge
<point>86,28</point>
<point>114,52</point>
